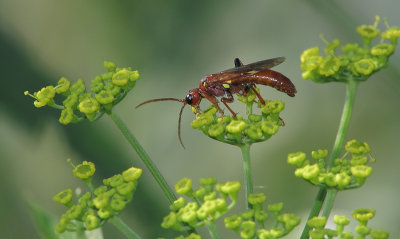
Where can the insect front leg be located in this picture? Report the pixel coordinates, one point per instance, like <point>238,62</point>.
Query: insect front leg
<point>228,98</point>
<point>213,101</point>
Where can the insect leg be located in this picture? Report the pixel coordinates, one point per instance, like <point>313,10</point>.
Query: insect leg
<point>228,99</point>
<point>213,101</point>
<point>257,94</point>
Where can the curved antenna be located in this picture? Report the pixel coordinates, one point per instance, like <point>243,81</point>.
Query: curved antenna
<point>179,124</point>
<point>180,112</point>
<point>161,99</point>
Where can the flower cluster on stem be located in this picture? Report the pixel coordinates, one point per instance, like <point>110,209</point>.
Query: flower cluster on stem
<point>252,223</point>
<point>240,131</point>
<point>362,216</point>
<point>350,171</point>
<point>92,209</point>
<point>77,103</point>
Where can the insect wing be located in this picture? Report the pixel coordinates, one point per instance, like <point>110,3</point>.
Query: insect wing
<point>256,66</point>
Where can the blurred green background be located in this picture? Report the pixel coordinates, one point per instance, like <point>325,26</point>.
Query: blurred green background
<point>173,44</point>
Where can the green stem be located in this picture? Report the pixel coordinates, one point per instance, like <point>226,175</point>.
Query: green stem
<point>351,88</point>
<point>330,199</point>
<point>212,229</point>
<point>144,157</point>
<point>248,181</point>
<point>128,232</point>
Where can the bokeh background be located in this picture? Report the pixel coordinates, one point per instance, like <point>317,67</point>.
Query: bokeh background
<point>173,44</point>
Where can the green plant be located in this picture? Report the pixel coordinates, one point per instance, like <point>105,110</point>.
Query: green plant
<point>212,201</point>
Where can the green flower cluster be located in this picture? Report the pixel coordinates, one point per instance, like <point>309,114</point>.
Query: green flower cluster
<point>92,209</point>
<point>251,224</point>
<point>77,103</point>
<point>356,62</point>
<point>209,202</point>
<point>345,173</point>
<point>362,216</point>
<point>240,131</point>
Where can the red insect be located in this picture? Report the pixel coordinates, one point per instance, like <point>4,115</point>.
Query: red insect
<point>237,80</point>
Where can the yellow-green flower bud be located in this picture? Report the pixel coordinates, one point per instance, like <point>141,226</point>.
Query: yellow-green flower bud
<point>342,180</point>
<point>184,186</point>
<point>368,31</point>
<point>89,106</point>
<point>363,215</point>
<point>254,118</point>
<point>248,230</point>
<point>296,159</point>
<point>114,181</point>
<point>208,181</point>
<point>317,222</point>
<point>169,221</point>
<point>101,200</point>
<point>100,189</point>
<point>275,207</point>
<point>363,230</point>
<point>78,87</point>
<point>62,224</point>
<point>64,197</point>
<point>379,234</point>
<point>382,50</point>
<point>104,97</point>
<point>44,96</point>
<point>85,170</point>
<point>254,132</point>
<point>178,204</point>
<point>74,212</point>
<point>273,106</point>
<point>210,196</point>
<point>319,154</point>
<point>216,130</point>
<point>364,67</point>
<point>341,220</point>
<point>62,85</point>
<point>361,171</point>
<point>188,216</point>
<point>350,48</point>
<point>109,65</point>
<point>236,126</point>
<point>71,101</point>
<point>290,220</point>
<point>134,75</point>
<point>121,78</point>
<point>126,188</point>
<point>257,198</point>
<point>117,204</point>
<point>356,147</point>
<point>67,116</point>
<point>309,53</point>
<point>202,120</point>
<point>199,193</point>
<point>105,213</point>
<point>131,174</point>
<point>269,127</point>
<point>329,66</point>
<point>92,222</point>
<point>233,222</point>
<point>358,160</point>
<point>231,188</point>
<point>97,84</point>
<point>260,215</point>
<point>310,171</point>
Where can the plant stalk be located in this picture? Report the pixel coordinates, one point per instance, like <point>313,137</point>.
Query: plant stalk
<point>212,229</point>
<point>129,233</point>
<point>351,87</point>
<point>248,181</point>
<point>144,157</point>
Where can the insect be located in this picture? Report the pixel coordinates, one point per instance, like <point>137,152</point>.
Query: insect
<point>240,80</point>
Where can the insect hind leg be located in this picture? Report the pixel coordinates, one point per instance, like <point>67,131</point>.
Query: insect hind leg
<point>228,98</point>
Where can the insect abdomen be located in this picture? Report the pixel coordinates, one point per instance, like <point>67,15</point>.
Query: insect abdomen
<point>275,80</point>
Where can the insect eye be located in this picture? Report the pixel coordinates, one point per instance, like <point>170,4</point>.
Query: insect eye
<point>189,99</point>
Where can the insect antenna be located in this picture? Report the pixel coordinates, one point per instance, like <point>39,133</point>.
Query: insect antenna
<point>161,99</point>
<point>180,112</point>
